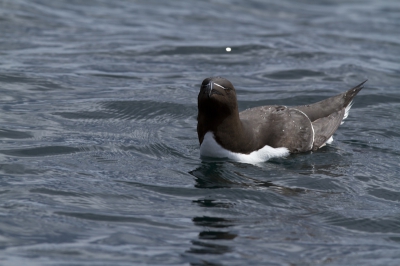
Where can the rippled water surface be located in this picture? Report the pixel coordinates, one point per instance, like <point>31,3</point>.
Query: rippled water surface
<point>99,157</point>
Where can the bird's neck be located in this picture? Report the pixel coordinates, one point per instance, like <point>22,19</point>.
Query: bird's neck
<point>222,125</point>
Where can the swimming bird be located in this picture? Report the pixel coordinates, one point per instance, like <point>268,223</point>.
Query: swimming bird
<point>260,133</point>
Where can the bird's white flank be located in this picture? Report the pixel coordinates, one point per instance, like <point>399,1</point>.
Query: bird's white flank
<point>211,148</point>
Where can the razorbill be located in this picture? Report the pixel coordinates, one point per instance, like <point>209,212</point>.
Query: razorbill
<point>260,133</point>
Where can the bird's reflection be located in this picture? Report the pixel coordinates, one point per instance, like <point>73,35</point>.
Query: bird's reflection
<point>216,175</point>
<point>212,239</point>
<point>325,161</point>
<point>217,231</point>
<point>215,235</point>
<point>213,175</point>
<point>212,222</point>
<point>212,203</point>
<point>200,247</point>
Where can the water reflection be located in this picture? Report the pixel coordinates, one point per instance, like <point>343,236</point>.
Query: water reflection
<point>217,231</point>
<point>215,235</point>
<point>326,161</point>
<point>200,247</point>
<point>212,222</point>
<point>203,246</point>
<point>214,175</point>
<point>212,203</point>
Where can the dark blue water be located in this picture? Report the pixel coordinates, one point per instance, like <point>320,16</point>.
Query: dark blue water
<point>99,157</point>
